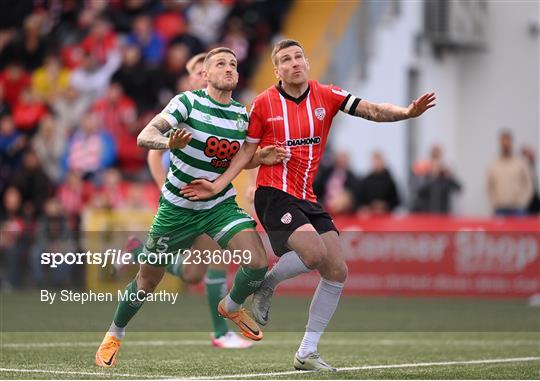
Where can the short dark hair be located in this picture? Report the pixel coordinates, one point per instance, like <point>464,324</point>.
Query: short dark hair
<point>284,44</point>
<point>213,52</point>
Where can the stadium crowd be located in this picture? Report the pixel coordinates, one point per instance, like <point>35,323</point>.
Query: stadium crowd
<point>80,79</point>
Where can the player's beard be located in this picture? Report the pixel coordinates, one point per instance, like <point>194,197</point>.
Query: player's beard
<point>225,86</point>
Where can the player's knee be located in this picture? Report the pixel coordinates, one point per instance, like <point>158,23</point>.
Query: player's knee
<point>192,276</point>
<point>313,255</point>
<point>341,273</point>
<point>335,272</point>
<point>257,259</point>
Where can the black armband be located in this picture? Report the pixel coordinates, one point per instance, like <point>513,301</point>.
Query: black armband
<point>349,104</point>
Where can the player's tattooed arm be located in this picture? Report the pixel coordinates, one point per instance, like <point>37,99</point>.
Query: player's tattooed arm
<point>380,112</point>
<point>387,112</point>
<point>151,136</point>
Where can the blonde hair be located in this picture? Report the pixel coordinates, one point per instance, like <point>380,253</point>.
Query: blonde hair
<point>193,61</point>
<point>284,44</point>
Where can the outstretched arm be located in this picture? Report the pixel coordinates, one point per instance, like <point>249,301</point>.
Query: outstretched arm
<point>151,136</point>
<point>387,112</point>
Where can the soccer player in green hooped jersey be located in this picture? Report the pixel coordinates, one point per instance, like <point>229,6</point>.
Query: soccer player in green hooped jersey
<point>213,275</point>
<point>208,127</point>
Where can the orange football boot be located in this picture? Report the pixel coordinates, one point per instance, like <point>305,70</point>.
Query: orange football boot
<point>247,325</point>
<point>107,351</point>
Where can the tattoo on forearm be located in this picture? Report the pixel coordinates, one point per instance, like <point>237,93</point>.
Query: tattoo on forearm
<point>383,112</point>
<point>151,136</point>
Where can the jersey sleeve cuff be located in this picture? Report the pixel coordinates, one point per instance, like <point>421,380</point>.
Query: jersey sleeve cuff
<point>252,140</point>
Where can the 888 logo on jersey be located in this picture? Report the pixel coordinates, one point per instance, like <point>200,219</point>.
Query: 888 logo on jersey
<point>222,150</point>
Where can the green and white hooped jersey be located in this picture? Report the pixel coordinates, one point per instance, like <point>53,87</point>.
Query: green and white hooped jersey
<point>218,131</point>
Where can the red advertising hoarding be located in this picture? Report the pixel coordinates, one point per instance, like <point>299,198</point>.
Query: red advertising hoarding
<point>434,256</point>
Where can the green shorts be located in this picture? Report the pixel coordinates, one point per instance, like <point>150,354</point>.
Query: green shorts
<point>174,229</point>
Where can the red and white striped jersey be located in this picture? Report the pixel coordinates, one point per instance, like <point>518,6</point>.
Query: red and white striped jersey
<point>301,125</point>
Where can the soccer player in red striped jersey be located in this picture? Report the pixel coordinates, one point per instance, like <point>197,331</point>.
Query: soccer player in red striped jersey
<point>297,113</point>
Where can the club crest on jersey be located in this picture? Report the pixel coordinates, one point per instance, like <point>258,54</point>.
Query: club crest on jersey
<point>287,218</point>
<point>207,118</point>
<point>320,113</point>
<point>241,124</point>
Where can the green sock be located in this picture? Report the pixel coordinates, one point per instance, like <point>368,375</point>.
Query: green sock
<point>246,282</point>
<point>127,309</point>
<point>216,289</point>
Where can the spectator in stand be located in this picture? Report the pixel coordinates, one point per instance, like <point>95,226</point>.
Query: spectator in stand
<point>74,194</point>
<point>28,111</point>
<point>50,80</point>
<point>170,23</point>
<point>533,207</point>
<point>33,183</point>
<point>377,191</point>
<point>109,195</point>
<point>509,182</point>
<point>28,47</point>
<point>435,185</point>
<point>123,14</point>
<point>4,106</point>
<point>260,21</point>
<point>54,235</point>
<point>116,111</point>
<point>91,79</point>
<point>235,38</point>
<point>335,185</point>
<point>205,19</point>
<point>135,79</point>
<point>151,44</point>
<point>194,44</point>
<point>117,115</point>
<point>48,144</point>
<point>14,80</point>
<point>90,150</point>
<point>12,228</point>
<point>12,145</point>
<point>100,41</point>
<point>166,76</point>
<point>70,108</point>
<point>12,141</point>
<point>64,23</point>
<point>6,38</point>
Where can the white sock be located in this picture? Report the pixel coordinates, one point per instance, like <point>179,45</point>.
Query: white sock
<point>118,332</point>
<point>323,306</point>
<point>231,305</point>
<point>287,267</point>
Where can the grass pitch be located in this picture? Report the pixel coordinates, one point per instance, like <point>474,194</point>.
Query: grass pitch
<point>433,339</point>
